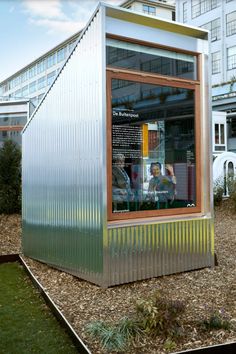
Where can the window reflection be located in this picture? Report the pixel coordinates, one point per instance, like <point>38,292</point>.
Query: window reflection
<point>137,57</point>
<point>153,147</point>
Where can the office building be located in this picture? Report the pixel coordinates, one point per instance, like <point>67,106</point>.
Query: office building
<point>219,17</point>
<point>33,81</point>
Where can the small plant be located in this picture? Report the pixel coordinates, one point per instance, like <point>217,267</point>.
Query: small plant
<point>169,345</point>
<point>154,316</point>
<point>116,337</point>
<point>232,192</point>
<point>218,191</point>
<point>216,320</point>
<point>159,315</point>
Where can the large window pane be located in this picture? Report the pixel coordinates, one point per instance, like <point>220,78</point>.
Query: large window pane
<point>153,147</point>
<point>143,58</point>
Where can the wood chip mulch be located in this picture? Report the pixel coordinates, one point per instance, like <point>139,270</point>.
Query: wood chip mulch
<point>201,290</point>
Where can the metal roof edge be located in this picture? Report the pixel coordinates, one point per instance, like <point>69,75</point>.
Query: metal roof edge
<point>10,103</point>
<point>49,89</point>
<point>155,22</point>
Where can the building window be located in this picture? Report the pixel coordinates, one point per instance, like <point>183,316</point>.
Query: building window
<point>42,82</point>
<point>25,91</point>
<point>185,12</point>
<point>61,54</point>
<point>155,60</point>
<point>24,76</point>
<point>51,77</point>
<point>220,137</point>
<point>71,46</point>
<point>215,59</point>
<point>42,66</point>
<point>32,87</point>
<point>153,148</point>
<point>200,7</point>
<point>231,58</point>
<point>51,60</point>
<point>32,71</point>
<point>231,23</point>
<point>214,27</point>
<point>40,97</point>
<point>150,10</point>
<point>18,94</point>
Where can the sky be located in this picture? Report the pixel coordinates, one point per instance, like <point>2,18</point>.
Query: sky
<point>29,28</point>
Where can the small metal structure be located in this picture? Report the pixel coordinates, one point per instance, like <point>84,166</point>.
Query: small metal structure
<point>134,86</point>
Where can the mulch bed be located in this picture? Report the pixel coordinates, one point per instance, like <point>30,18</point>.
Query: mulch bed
<point>201,291</point>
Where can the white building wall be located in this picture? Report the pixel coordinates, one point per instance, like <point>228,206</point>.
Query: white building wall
<point>220,45</point>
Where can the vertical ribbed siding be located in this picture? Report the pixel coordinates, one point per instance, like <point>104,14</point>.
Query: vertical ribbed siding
<point>145,251</point>
<point>62,165</point>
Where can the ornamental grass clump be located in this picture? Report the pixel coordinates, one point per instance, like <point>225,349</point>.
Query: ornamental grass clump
<point>117,337</point>
<point>154,316</point>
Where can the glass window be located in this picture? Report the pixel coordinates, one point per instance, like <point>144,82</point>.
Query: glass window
<point>51,60</point>
<point>51,77</point>
<point>42,66</point>
<point>71,46</point>
<point>18,94</point>
<point>215,57</point>
<point>153,147</point>
<point>32,71</point>
<point>61,54</point>
<point>138,57</point>
<point>219,137</point>
<point>231,23</point>
<point>25,91</point>
<point>150,10</point>
<point>231,58</point>
<point>214,27</point>
<point>40,97</point>
<point>200,7</point>
<point>24,76</point>
<point>42,82</point>
<point>32,87</point>
<point>13,119</point>
<point>185,11</point>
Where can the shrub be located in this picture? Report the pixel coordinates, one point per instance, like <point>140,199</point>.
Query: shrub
<point>216,320</point>
<point>232,192</point>
<point>218,191</point>
<point>160,316</point>
<point>10,178</point>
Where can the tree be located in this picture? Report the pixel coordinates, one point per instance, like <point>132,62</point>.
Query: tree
<point>10,178</point>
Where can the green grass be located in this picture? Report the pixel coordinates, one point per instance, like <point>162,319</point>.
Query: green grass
<point>26,323</point>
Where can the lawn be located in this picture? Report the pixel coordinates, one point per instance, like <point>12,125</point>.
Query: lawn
<point>26,323</point>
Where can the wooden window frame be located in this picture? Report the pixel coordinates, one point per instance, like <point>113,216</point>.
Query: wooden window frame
<point>155,79</point>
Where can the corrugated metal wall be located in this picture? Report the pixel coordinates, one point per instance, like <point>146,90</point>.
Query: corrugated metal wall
<point>145,251</point>
<point>64,182</point>
<point>63,164</point>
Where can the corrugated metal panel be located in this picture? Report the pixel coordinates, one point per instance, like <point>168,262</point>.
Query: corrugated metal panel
<point>145,251</point>
<point>63,169</point>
